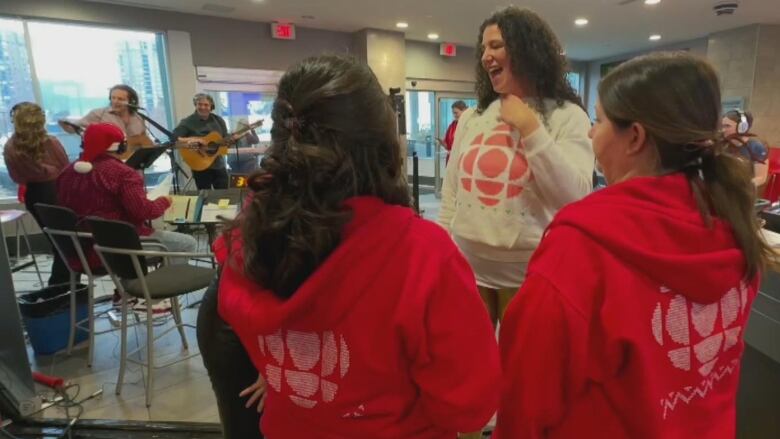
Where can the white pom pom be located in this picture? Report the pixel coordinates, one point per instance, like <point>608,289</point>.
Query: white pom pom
<point>82,167</point>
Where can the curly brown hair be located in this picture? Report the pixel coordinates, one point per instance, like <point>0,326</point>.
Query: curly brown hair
<point>535,55</point>
<point>333,137</point>
<point>29,129</point>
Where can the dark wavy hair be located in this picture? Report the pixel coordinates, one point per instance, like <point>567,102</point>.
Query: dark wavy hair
<point>534,54</point>
<point>676,98</point>
<point>333,137</point>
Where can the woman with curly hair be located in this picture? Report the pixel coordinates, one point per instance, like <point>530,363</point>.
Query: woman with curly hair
<point>35,159</point>
<point>519,157</point>
<point>350,305</point>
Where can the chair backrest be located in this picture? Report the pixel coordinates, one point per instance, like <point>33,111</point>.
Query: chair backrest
<point>119,235</point>
<point>61,219</point>
<point>772,189</point>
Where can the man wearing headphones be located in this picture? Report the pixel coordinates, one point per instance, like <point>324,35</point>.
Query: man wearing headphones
<point>199,124</point>
<point>736,125</point>
<point>123,101</point>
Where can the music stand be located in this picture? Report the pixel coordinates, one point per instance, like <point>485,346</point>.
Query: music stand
<point>144,157</point>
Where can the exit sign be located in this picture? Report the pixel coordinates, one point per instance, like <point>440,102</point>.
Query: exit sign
<point>448,49</point>
<point>283,31</point>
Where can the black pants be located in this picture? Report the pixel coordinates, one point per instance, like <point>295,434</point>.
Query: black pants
<point>229,367</point>
<point>46,193</point>
<point>211,179</point>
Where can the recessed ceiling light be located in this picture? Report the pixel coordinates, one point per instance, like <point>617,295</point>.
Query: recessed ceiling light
<point>581,22</point>
<point>652,2</point>
<point>655,37</point>
<point>433,36</point>
<point>402,25</point>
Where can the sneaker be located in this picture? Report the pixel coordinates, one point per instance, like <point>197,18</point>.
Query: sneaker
<point>159,307</point>
<point>116,300</point>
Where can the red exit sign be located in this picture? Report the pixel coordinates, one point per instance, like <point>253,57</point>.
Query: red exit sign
<point>283,31</point>
<point>448,49</point>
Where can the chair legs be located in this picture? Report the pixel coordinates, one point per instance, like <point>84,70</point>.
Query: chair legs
<point>20,222</point>
<point>73,327</point>
<point>123,345</point>
<point>91,318</point>
<point>150,363</point>
<point>149,351</point>
<point>176,312</point>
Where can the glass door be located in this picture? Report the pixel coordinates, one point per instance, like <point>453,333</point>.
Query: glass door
<point>446,116</point>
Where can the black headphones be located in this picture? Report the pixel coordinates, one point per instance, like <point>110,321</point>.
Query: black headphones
<point>201,96</point>
<point>122,147</point>
<point>16,107</point>
<point>132,96</point>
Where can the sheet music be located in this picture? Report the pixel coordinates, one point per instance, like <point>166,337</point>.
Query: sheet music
<point>212,212</point>
<point>162,189</point>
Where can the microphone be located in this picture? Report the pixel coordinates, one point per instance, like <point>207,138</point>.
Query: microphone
<point>136,107</point>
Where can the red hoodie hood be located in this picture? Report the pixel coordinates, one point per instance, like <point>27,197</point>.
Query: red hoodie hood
<point>663,235</point>
<point>316,303</point>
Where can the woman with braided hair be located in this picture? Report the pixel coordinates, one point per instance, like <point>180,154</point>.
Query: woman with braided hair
<point>631,319</point>
<point>362,318</point>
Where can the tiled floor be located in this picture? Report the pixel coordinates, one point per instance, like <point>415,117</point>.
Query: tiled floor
<point>184,381</point>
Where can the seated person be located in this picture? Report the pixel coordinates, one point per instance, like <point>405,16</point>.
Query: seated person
<point>100,184</point>
<point>736,125</point>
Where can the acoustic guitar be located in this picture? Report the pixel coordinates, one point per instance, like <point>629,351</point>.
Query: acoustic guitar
<point>134,143</point>
<point>200,154</point>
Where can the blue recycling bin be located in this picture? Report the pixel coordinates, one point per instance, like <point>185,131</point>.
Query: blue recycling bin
<point>46,315</point>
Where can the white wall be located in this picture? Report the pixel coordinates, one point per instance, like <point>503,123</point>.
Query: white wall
<point>696,47</point>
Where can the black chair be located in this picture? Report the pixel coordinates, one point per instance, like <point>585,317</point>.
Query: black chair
<point>75,249</point>
<point>119,247</point>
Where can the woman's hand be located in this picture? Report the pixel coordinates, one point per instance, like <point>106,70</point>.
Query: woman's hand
<point>518,114</point>
<point>257,390</point>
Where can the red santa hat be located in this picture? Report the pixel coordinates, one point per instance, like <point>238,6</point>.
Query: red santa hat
<point>98,138</point>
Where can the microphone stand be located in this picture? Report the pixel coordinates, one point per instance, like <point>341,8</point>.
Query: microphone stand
<point>175,168</point>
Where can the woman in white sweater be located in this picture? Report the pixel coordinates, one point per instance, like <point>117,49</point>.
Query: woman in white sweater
<point>519,157</point>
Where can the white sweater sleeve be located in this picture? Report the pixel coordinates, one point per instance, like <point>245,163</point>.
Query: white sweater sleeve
<point>562,166</point>
<point>449,190</point>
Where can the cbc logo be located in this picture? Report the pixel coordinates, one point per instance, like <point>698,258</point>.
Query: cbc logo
<point>697,334</point>
<point>312,364</point>
<point>495,166</point>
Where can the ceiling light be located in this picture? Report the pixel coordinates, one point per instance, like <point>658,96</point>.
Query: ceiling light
<point>655,37</point>
<point>433,36</point>
<point>402,25</point>
<point>581,22</point>
<point>652,2</point>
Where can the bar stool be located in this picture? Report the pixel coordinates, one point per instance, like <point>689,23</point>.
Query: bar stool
<point>17,216</point>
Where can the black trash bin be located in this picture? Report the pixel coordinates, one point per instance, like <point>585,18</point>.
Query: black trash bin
<point>46,316</point>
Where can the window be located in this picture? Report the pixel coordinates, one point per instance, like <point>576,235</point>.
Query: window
<point>250,106</point>
<point>15,86</point>
<point>574,80</point>
<point>75,67</point>
<point>420,108</point>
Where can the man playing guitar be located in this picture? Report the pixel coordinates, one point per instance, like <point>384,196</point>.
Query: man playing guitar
<point>121,112</point>
<point>199,124</point>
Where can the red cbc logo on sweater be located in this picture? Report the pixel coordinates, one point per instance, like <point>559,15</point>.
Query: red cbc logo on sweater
<point>696,337</point>
<point>494,165</point>
<point>307,366</point>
